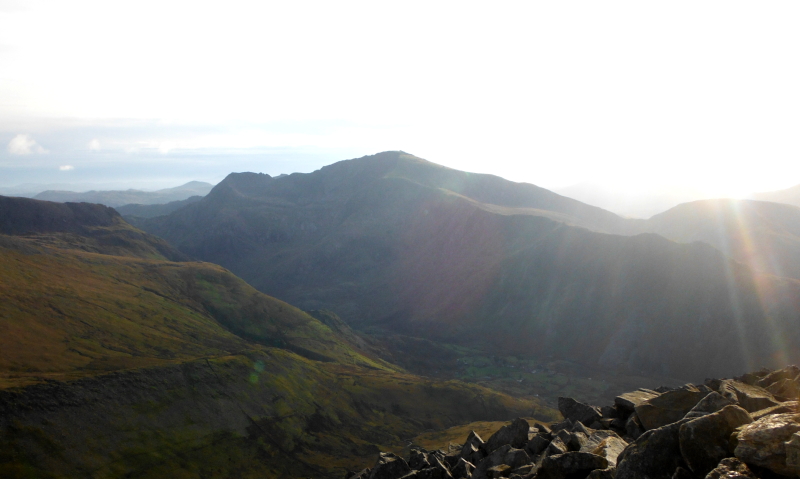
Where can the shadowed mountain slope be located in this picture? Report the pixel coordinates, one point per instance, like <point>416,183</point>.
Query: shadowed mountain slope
<point>397,242</point>
<point>760,234</point>
<point>127,366</point>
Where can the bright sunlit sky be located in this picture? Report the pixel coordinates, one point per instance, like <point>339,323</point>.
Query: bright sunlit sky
<point>630,94</point>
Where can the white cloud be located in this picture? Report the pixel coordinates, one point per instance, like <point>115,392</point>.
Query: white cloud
<point>66,167</point>
<point>24,145</point>
<point>94,145</point>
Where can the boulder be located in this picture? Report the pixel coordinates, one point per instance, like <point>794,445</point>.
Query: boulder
<point>731,468</point>
<point>607,473</point>
<point>389,466</point>
<point>785,388</point>
<point>543,429</point>
<point>633,427</point>
<point>462,470</point>
<point>556,447</point>
<point>565,424</point>
<point>628,401</point>
<point>537,445</point>
<point>496,472</point>
<point>418,459</point>
<point>763,442</point>
<point>668,407</point>
<point>363,474</point>
<point>596,438</point>
<point>681,473</point>
<point>429,473</point>
<point>495,458</point>
<point>610,448</point>
<point>473,449</point>
<point>713,402</point>
<point>656,454</point>
<point>704,441</point>
<point>610,412</point>
<point>576,441</point>
<point>751,398</point>
<point>577,411</point>
<point>570,464</point>
<point>789,372</point>
<point>514,434</point>
<point>788,407</point>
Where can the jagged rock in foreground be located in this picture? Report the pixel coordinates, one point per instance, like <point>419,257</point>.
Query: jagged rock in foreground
<point>725,428</point>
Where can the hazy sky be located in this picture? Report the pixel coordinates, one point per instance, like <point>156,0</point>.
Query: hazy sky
<point>632,94</point>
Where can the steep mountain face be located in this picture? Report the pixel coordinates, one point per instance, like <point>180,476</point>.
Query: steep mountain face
<point>396,242</point>
<point>118,365</point>
<point>762,235</point>
<point>119,198</point>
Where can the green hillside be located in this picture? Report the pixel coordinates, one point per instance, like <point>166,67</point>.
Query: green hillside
<point>127,366</point>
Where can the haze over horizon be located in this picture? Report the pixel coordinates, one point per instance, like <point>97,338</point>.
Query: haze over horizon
<point>634,97</point>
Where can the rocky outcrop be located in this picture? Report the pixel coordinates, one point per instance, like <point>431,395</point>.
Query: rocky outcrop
<point>725,428</point>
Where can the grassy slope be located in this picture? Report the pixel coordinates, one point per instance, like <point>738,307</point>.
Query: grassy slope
<point>183,370</point>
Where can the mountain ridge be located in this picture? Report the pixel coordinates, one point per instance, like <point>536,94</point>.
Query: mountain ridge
<point>384,241</point>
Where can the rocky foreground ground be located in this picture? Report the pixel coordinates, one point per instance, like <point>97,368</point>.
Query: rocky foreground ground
<point>746,427</point>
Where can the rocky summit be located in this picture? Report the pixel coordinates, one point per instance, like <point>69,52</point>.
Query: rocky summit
<point>744,427</point>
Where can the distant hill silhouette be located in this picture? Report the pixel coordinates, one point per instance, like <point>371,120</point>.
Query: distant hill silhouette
<point>151,211</point>
<point>396,242</point>
<point>789,196</point>
<point>126,197</point>
<point>760,234</point>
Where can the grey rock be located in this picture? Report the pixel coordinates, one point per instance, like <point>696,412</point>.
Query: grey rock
<point>565,424</point>
<point>537,445</point>
<point>596,438</point>
<point>656,454</point>
<point>713,402</point>
<point>418,459</point>
<point>473,449</point>
<point>363,474</point>
<point>782,408</point>
<point>514,434</point>
<point>570,464</point>
<point>668,407</point>
<point>389,466</point>
<point>610,448</point>
<point>763,443</point>
<point>462,470</point>
<point>506,455</point>
<point>751,398</point>
<point>704,441</point>
<point>607,473</point>
<point>789,372</point>
<point>628,401</point>
<point>633,427</point>
<point>681,473</point>
<point>576,411</point>
<point>731,468</point>
<point>556,447</point>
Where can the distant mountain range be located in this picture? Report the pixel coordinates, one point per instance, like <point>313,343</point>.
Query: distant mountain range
<point>789,196</point>
<point>115,361</point>
<point>393,241</point>
<point>126,197</point>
